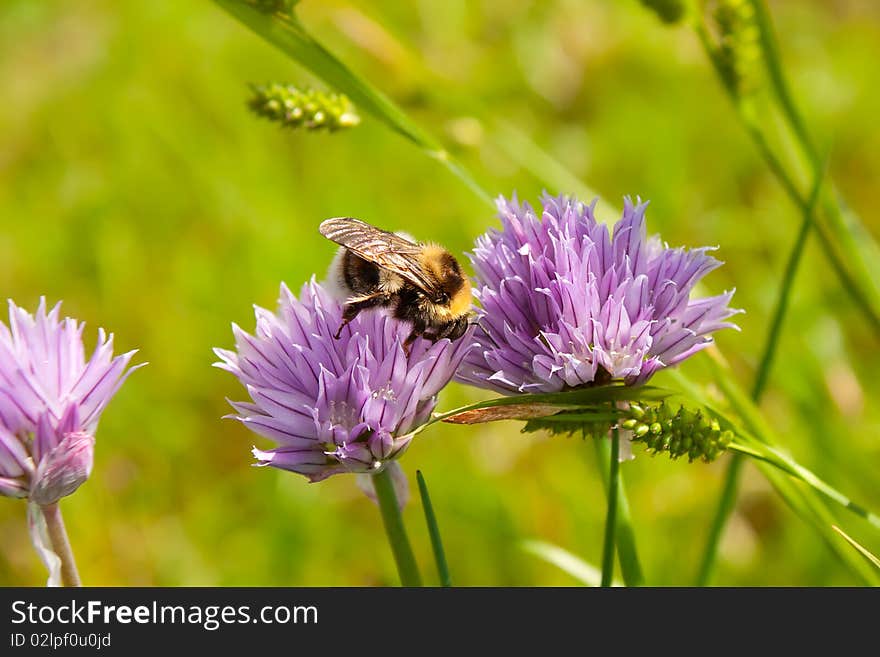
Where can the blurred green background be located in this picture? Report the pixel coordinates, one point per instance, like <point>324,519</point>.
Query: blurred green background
<point>136,187</point>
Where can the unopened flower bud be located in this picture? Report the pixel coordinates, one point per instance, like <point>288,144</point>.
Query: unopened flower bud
<point>381,444</point>
<point>64,469</point>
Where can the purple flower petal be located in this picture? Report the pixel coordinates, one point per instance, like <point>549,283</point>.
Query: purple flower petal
<point>562,301</point>
<point>51,399</point>
<point>14,458</point>
<point>64,469</point>
<point>334,406</point>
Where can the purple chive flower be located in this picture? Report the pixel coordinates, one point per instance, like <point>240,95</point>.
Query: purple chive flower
<point>566,305</point>
<point>334,406</point>
<point>50,401</point>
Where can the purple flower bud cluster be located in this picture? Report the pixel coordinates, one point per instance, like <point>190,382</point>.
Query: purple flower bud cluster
<point>335,405</point>
<point>51,398</point>
<point>566,303</point>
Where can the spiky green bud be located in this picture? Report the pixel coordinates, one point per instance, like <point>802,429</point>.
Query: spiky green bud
<point>303,108</point>
<point>661,427</point>
<point>677,432</point>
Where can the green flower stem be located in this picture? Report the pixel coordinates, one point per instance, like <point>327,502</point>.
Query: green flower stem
<point>61,544</point>
<point>731,480</point>
<point>434,532</point>
<point>859,285</point>
<point>394,529</point>
<point>611,516</point>
<point>773,63</point>
<point>788,276</point>
<point>630,566</point>
<point>858,245</point>
<point>859,293</point>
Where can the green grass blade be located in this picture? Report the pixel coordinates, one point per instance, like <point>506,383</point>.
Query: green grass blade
<point>566,561</point>
<point>858,245</point>
<point>434,532</point>
<point>847,244</point>
<point>861,549</point>
<point>571,417</point>
<point>727,499</point>
<point>791,267</point>
<point>751,447</point>
<point>773,64</point>
<point>761,447</point>
<point>287,34</point>
<point>805,502</point>
<point>523,150</point>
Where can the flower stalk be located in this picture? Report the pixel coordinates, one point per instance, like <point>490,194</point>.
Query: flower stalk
<point>51,398</point>
<point>627,554</point>
<point>845,242</point>
<point>61,544</point>
<point>727,499</point>
<point>395,530</point>
<point>611,515</point>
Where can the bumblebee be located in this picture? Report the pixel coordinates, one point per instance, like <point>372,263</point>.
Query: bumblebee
<point>419,283</point>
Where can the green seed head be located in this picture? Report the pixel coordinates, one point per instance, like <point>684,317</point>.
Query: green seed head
<point>677,432</point>
<point>737,44</point>
<point>307,108</point>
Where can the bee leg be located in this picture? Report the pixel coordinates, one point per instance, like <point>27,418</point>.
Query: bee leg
<point>341,326</point>
<point>353,308</point>
<point>348,314</point>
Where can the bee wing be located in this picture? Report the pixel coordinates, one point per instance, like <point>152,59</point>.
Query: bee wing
<point>384,249</point>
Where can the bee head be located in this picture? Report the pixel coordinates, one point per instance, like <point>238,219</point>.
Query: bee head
<point>453,287</point>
